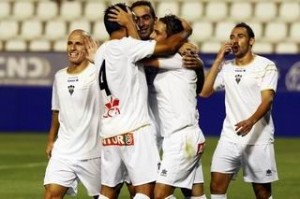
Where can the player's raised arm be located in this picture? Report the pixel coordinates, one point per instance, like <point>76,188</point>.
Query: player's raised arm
<point>126,19</point>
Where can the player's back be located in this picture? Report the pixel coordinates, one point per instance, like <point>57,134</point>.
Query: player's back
<point>123,85</point>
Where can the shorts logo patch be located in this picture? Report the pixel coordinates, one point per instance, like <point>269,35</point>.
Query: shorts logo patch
<point>269,172</point>
<point>200,148</point>
<point>119,140</point>
<point>164,172</point>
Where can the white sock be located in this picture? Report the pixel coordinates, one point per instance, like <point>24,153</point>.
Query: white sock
<point>197,197</point>
<point>103,197</point>
<point>171,197</point>
<point>140,196</point>
<point>218,196</point>
<point>271,197</point>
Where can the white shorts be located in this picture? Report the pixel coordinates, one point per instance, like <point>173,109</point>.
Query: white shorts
<point>257,161</point>
<point>199,177</point>
<point>181,155</point>
<point>138,157</point>
<point>68,173</point>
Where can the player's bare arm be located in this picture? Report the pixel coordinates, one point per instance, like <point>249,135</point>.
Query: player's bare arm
<point>172,44</point>
<point>52,133</point>
<point>190,56</point>
<point>211,75</point>
<point>243,127</point>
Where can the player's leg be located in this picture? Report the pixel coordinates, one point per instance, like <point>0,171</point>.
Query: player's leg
<point>225,164</point>
<point>112,171</point>
<point>89,173</point>
<point>55,191</point>
<point>262,191</point>
<point>263,174</point>
<point>163,190</point>
<point>60,179</point>
<point>197,191</point>
<point>141,160</point>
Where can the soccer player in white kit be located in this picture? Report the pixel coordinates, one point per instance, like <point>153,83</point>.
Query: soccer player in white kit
<point>74,146</point>
<point>128,143</point>
<point>173,96</point>
<point>247,137</point>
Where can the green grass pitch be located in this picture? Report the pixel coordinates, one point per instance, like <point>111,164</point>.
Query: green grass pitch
<point>23,162</point>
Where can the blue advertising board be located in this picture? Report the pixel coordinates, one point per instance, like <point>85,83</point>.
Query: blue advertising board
<point>25,89</point>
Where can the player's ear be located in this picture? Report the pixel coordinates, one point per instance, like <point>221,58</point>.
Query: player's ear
<point>251,41</point>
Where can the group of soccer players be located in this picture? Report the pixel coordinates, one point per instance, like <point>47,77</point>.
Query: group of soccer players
<point>138,92</point>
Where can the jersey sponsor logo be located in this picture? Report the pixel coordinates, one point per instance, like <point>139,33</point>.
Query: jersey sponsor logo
<point>112,108</point>
<point>119,140</point>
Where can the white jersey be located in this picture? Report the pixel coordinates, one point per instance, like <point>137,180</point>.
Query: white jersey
<point>123,85</point>
<point>75,97</point>
<point>243,86</point>
<point>173,97</point>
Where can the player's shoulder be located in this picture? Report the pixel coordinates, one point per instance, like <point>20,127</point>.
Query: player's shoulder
<point>61,72</point>
<point>264,62</point>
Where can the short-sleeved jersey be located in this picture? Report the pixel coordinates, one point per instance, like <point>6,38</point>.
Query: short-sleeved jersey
<point>123,85</point>
<point>243,86</point>
<point>173,97</point>
<point>75,97</point>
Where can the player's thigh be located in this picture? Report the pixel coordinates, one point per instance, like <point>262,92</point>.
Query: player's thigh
<point>142,158</point>
<point>112,167</point>
<point>89,173</point>
<point>61,172</point>
<point>226,158</point>
<point>180,160</point>
<point>259,164</point>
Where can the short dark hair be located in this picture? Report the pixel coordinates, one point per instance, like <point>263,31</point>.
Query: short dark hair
<point>144,3</point>
<point>247,27</point>
<point>173,24</point>
<point>112,26</point>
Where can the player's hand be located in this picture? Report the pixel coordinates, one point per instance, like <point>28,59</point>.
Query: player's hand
<point>49,149</point>
<point>225,50</point>
<point>244,127</point>
<point>121,17</point>
<point>91,48</point>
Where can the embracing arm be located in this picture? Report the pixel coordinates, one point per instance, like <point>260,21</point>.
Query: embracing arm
<point>174,42</point>
<point>52,132</point>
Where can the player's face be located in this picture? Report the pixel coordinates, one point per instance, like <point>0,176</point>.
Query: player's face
<point>144,20</point>
<point>76,49</point>
<point>241,43</point>
<point>159,33</point>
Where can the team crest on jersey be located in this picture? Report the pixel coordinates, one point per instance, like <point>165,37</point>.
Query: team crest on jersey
<point>112,108</point>
<point>126,139</point>
<point>238,78</point>
<point>71,89</point>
